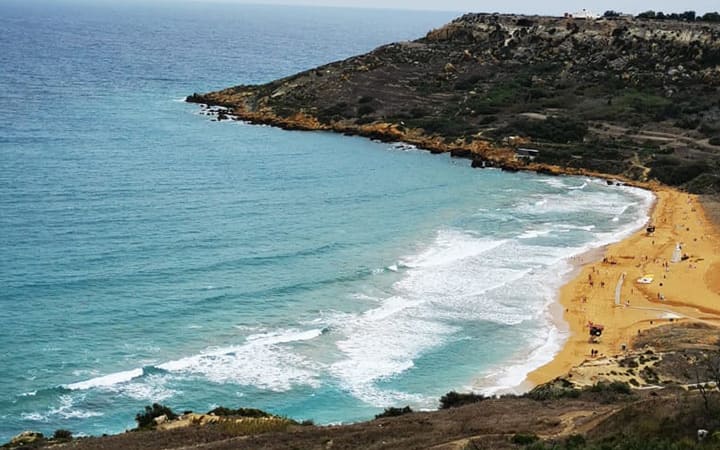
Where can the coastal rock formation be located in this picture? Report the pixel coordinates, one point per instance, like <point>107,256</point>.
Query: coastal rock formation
<point>639,99</point>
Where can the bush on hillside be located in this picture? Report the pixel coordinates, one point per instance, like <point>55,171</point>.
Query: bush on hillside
<point>453,399</point>
<point>240,412</point>
<point>524,439</point>
<point>61,434</point>
<point>394,412</point>
<point>147,418</point>
<point>553,390</point>
<point>617,387</point>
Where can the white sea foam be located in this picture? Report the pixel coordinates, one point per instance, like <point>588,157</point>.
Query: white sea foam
<point>462,277</point>
<point>545,340</point>
<point>67,409</point>
<point>582,186</point>
<point>459,277</point>
<point>568,227</point>
<point>280,337</point>
<point>450,246</point>
<point>263,362</point>
<point>151,388</point>
<point>548,339</point>
<point>107,380</point>
<point>403,146</point>
<point>536,232</point>
<point>556,182</point>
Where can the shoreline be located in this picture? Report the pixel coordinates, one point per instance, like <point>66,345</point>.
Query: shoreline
<point>559,330</point>
<point>572,351</point>
<point>685,291</point>
<point>575,350</point>
<point>482,153</point>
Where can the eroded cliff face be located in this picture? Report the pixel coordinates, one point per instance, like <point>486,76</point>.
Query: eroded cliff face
<point>636,99</point>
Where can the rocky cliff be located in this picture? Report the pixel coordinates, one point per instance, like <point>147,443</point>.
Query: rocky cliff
<point>639,99</point>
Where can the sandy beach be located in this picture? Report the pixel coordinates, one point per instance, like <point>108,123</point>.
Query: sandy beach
<point>688,290</point>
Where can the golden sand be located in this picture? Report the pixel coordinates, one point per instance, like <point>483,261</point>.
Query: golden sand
<point>688,290</point>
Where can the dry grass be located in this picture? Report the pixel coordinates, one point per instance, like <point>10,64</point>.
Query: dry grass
<point>250,426</point>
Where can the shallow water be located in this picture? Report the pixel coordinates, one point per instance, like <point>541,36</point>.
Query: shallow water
<point>150,254</point>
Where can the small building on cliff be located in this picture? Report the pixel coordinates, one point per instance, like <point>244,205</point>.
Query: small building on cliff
<point>585,14</point>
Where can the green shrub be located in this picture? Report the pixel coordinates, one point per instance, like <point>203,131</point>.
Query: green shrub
<point>365,109</point>
<point>394,412</point>
<point>553,129</point>
<point>62,434</point>
<point>689,123</point>
<point>706,183</point>
<point>146,419</point>
<point>338,111</point>
<point>553,390</point>
<point>453,399</point>
<point>448,127</point>
<point>675,171</point>
<point>240,412</point>
<point>465,84</point>
<point>575,441</point>
<point>617,387</point>
<point>524,439</point>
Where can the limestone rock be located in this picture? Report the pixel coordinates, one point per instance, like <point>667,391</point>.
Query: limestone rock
<point>26,437</point>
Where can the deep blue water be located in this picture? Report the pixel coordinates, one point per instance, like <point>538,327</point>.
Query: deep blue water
<point>150,254</point>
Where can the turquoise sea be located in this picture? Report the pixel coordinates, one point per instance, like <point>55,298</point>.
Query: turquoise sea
<point>149,254</point>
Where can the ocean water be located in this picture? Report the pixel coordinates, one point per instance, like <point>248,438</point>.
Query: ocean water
<point>149,254</point>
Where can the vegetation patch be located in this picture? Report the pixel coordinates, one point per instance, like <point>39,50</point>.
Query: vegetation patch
<point>454,399</point>
<point>240,412</point>
<point>559,388</point>
<point>394,412</point>
<point>146,419</point>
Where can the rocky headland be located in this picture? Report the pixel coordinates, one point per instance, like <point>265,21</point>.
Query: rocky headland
<point>632,98</point>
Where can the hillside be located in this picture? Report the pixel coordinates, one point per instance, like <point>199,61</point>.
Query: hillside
<point>635,98</point>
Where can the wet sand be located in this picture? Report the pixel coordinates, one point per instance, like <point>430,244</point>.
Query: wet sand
<point>688,290</point>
